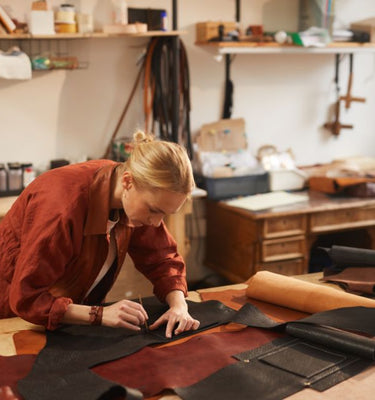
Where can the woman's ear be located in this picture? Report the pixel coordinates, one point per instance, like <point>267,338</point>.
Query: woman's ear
<point>126,180</point>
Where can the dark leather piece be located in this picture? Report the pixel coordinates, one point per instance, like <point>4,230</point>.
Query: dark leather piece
<point>318,366</point>
<point>293,359</point>
<point>351,256</point>
<point>81,384</point>
<point>244,381</point>
<point>71,350</point>
<point>356,319</point>
<point>335,339</point>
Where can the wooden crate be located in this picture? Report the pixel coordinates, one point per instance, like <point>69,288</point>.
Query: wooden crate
<point>210,29</point>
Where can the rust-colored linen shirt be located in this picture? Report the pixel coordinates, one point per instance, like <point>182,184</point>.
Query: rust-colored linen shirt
<point>53,244</point>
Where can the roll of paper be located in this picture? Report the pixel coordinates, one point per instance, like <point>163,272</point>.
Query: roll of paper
<point>300,295</point>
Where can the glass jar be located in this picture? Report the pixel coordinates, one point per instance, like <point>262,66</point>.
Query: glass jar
<point>15,176</point>
<point>3,179</point>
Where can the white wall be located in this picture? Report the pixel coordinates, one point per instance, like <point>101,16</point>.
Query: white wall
<point>284,98</point>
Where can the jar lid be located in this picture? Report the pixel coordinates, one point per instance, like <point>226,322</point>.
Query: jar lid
<point>67,7</point>
<point>14,165</point>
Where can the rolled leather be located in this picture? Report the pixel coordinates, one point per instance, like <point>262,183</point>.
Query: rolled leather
<point>300,295</point>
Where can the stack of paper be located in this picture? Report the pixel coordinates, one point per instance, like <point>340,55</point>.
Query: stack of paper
<point>267,200</point>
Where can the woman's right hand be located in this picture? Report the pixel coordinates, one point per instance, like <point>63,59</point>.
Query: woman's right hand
<point>124,314</point>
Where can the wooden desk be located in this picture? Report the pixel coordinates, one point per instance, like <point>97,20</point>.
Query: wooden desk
<point>240,242</point>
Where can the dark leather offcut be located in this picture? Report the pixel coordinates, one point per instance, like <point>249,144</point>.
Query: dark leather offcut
<point>61,370</point>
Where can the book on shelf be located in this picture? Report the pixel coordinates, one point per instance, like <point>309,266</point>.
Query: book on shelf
<point>6,21</point>
<point>3,31</point>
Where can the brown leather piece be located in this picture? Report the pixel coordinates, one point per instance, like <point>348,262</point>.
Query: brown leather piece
<point>29,342</point>
<point>358,280</point>
<point>337,185</point>
<point>184,364</point>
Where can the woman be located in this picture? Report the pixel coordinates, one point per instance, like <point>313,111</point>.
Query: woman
<point>64,241</point>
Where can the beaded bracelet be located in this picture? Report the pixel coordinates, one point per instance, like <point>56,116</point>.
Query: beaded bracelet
<point>96,315</point>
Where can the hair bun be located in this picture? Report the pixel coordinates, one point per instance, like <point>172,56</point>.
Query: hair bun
<point>142,137</point>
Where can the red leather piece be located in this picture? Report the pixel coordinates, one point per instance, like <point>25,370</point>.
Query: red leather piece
<point>14,368</point>
<point>153,369</point>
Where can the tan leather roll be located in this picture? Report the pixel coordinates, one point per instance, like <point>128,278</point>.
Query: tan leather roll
<point>300,295</point>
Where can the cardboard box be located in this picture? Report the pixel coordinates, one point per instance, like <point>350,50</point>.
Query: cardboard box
<point>223,135</point>
<point>365,25</point>
<point>210,29</point>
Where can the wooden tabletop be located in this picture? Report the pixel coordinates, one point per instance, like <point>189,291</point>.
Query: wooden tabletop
<point>357,387</point>
<point>317,202</point>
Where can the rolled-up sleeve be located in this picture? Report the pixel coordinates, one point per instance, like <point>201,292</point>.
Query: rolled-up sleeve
<point>154,252</point>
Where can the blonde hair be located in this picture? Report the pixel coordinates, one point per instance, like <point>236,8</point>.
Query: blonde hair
<point>157,164</point>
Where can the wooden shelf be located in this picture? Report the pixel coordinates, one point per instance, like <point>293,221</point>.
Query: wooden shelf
<point>275,48</point>
<point>57,36</point>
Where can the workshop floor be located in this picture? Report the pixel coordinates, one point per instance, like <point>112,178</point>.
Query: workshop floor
<point>129,284</point>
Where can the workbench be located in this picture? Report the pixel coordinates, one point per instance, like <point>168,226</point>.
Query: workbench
<point>240,242</point>
<point>360,386</point>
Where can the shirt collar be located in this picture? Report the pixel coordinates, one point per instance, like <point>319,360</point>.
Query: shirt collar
<point>99,201</point>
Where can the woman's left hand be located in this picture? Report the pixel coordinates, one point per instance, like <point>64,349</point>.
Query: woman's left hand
<point>176,315</point>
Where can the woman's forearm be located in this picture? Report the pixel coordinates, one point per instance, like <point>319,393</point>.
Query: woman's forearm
<point>77,314</point>
<point>176,298</point>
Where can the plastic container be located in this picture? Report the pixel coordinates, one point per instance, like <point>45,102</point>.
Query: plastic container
<point>287,179</point>
<point>164,21</point>
<point>15,177</point>
<point>3,179</point>
<point>120,12</point>
<point>28,174</point>
<point>226,188</point>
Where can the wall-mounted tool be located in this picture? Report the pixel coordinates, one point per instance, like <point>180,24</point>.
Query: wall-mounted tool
<point>348,98</point>
<point>335,126</point>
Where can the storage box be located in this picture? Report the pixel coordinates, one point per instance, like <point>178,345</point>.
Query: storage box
<point>210,29</point>
<point>223,135</point>
<point>286,179</point>
<point>41,23</point>
<point>365,25</point>
<point>226,188</point>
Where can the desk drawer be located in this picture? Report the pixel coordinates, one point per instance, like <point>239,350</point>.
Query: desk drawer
<point>289,267</point>
<point>283,249</point>
<point>284,226</point>
<point>342,219</point>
